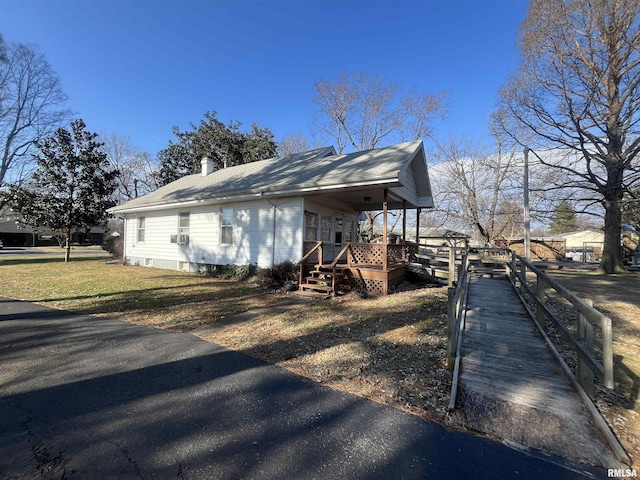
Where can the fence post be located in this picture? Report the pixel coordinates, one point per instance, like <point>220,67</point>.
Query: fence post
<point>452,265</point>
<point>523,277</point>
<point>607,352</point>
<point>585,334</point>
<point>512,268</point>
<point>540,293</point>
<point>451,328</point>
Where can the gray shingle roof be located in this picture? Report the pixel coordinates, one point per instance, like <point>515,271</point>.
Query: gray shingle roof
<point>312,171</point>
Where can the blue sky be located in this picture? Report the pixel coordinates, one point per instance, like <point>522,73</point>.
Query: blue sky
<point>138,67</point>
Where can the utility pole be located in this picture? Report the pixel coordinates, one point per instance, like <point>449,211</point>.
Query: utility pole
<point>527,221</point>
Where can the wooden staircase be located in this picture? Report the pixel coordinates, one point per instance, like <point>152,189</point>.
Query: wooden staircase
<point>323,281</point>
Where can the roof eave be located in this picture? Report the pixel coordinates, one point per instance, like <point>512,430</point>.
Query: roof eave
<point>256,195</point>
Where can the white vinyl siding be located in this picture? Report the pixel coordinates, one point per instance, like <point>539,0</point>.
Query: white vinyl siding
<point>253,232</point>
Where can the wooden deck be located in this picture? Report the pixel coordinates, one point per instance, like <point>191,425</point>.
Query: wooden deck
<point>511,385</point>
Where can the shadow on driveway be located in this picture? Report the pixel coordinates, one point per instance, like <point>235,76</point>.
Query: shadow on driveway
<point>86,397</point>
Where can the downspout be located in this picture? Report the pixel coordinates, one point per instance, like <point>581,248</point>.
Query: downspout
<point>124,240</point>
<point>273,241</point>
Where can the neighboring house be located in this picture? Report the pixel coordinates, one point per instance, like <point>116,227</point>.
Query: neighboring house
<point>14,234</point>
<point>273,210</point>
<point>584,245</point>
<point>587,245</point>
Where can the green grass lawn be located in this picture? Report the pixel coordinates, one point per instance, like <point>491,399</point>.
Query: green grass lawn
<point>167,299</point>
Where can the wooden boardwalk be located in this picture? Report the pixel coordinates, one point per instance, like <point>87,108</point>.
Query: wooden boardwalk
<point>511,385</point>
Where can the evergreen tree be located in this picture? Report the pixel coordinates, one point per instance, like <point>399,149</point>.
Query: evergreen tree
<point>72,186</point>
<point>564,219</point>
<point>224,144</point>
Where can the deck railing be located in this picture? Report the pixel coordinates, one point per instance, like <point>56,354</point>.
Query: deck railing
<point>588,365</point>
<point>588,317</point>
<point>365,254</point>
<point>457,299</point>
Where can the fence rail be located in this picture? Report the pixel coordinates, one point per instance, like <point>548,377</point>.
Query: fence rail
<point>588,318</point>
<point>457,299</point>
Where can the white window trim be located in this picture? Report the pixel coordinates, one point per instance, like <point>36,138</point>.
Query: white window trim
<point>222,226</point>
<point>143,229</point>
<point>317,227</point>
<point>184,230</point>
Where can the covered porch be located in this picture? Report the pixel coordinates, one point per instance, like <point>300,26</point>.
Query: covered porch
<point>368,267</point>
<point>375,268</point>
<point>390,178</point>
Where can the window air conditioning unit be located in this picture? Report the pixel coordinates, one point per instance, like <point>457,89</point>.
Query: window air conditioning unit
<point>183,239</point>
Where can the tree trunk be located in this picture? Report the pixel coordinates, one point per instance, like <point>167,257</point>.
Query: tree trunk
<point>612,253</point>
<point>67,246</point>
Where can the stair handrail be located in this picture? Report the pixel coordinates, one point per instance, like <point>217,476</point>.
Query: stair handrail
<point>317,247</point>
<point>335,262</point>
<point>337,259</point>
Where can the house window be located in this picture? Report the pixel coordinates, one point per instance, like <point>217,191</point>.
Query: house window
<point>184,223</point>
<point>141,224</point>
<point>325,228</point>
<point>310,226</point>
<point>338,229</point>
<point>348,230</point>
<point>226,224</point>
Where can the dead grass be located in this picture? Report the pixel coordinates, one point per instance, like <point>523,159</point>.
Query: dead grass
<point>389,349</point>
<point>618,297</point>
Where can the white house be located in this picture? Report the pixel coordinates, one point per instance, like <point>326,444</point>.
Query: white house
<point>271,210</point>
<point>584,245</point>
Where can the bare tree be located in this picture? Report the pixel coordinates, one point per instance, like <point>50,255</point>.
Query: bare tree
<point>137,173</point>
<point>30,101</point>
<point>295,143</point>
<point>475,189</point>
<point>578,89</point>
<point>361,112</point>
<point>3,50</point>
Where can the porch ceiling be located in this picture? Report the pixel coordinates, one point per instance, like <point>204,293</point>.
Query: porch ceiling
<point>367,199</point>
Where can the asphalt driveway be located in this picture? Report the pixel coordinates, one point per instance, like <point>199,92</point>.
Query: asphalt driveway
<point>86,397</point>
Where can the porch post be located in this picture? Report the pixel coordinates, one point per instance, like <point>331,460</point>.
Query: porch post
<point>384,229</point>
<point>418,211</point>
<point>404,222</point>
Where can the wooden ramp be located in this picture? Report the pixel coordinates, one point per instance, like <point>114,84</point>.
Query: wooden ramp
<point>511,385</point>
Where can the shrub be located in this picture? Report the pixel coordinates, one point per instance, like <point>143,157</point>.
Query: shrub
<point>114,246</point>
<point>235,272</point>
<point>283,271</point>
